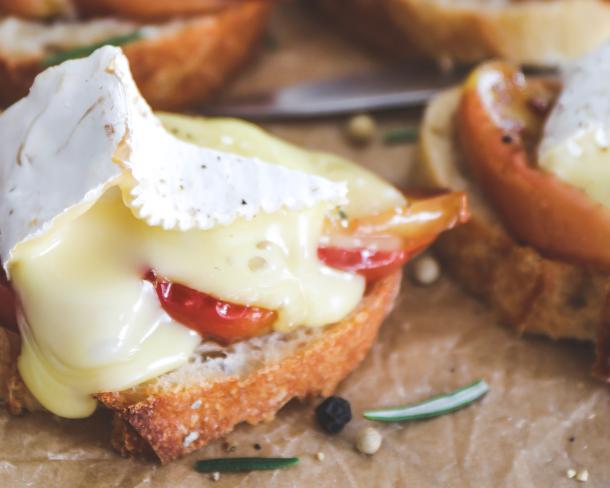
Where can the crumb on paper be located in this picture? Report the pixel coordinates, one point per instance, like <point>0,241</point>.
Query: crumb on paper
<point>215,476</point>
<point>571,473</point>
<point>426,271</point>
<point>583,475</point>
<point>229,446</point>
<point>320,456</point>
<point>190,438</point>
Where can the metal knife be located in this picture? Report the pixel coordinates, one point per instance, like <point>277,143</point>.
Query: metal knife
<point>388,88</point>
<point>403,86</point>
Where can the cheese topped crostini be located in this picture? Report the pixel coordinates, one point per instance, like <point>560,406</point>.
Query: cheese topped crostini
<point>532,153</point>
<point>152,264</point>
<point>177,60</point>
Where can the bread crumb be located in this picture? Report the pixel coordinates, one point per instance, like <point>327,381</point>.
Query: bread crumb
<point>368,440</point>
<point>320,456</point>
<point>571,473</point>
<point>426,271</point>
<point>229,446</point>
<point>583,475</point>
<point>215,476</point>
<point>190,438</point>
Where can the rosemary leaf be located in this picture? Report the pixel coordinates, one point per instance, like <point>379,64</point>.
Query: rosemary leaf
<point>231,465</point>
<point>398,136</point>
<point>432,407</point>
<point>83,51</point>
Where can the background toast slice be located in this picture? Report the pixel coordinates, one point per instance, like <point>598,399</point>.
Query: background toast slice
<point>36,8</point>
<point>249,381</point>
<point>151,9</point>
<point>528,291</point>
<point>137,9</point>
<point>532,31</point>
<point>175,70</point>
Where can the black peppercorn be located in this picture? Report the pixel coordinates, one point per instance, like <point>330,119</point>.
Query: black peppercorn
<point>333,414</point>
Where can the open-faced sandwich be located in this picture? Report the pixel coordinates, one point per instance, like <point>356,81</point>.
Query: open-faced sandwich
<point>160,268</point>
<point>179,51</point>
<point>539,32</point>
<point>533,154</point>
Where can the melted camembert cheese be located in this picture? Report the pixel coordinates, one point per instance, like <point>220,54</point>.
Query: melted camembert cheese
<point>576,143</point>
<point>92,324</point>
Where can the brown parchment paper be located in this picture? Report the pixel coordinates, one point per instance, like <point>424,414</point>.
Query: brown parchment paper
<point>544,413</point>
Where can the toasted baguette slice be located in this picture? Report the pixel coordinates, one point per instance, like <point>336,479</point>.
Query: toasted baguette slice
<point>528,291</point>
<point>137,9</point>
<point>151,9</point>
<point>530,31</point>
<point>36,8</point>
<point>250,381</point>
<point>177,68</point>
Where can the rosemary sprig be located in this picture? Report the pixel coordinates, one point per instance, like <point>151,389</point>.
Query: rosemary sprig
<point>398,136</point>
<point>433,407</point>
<point>83,51</point>
<point>231,465</point>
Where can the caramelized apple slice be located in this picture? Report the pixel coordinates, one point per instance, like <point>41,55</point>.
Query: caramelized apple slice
<point>500,120</point>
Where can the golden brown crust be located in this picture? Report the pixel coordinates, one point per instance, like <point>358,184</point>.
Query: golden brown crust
<point>531,293</point>
<point>174,71</point>
<point>151,9</point>
<point>13,392</point>
<point>136,9</point>
<point>532,31</point>
<point>528,291</point>
<point>160,422</point>
<point>34,8</point>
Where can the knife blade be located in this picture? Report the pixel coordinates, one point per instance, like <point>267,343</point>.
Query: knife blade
<point>394,87</point>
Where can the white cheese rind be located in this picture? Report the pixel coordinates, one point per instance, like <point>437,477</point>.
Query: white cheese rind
<point>57,146</point>
<point>59,142</point>
<point>576,141</point>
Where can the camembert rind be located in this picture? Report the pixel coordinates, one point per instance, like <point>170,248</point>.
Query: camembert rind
<point>59,144</point>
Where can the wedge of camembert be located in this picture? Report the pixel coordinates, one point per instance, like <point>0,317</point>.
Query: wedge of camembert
<point>94,192</point>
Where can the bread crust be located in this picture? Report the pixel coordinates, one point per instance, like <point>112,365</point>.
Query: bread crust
<point>135,9</point>
<point>528,291</point>
<point>532,31</point>
<point>151,9</point>
<point>35,8</point>
<point>176,70</point>
<point>161,422</point>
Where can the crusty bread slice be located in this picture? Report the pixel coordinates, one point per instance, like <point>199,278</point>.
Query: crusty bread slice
<point>36,8</point>
<point>175,70</point>
<point>137,9</point>
<point>250,381</point>
<point>151,9</point>
<point>528,291</point>
<point>529,31</point>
